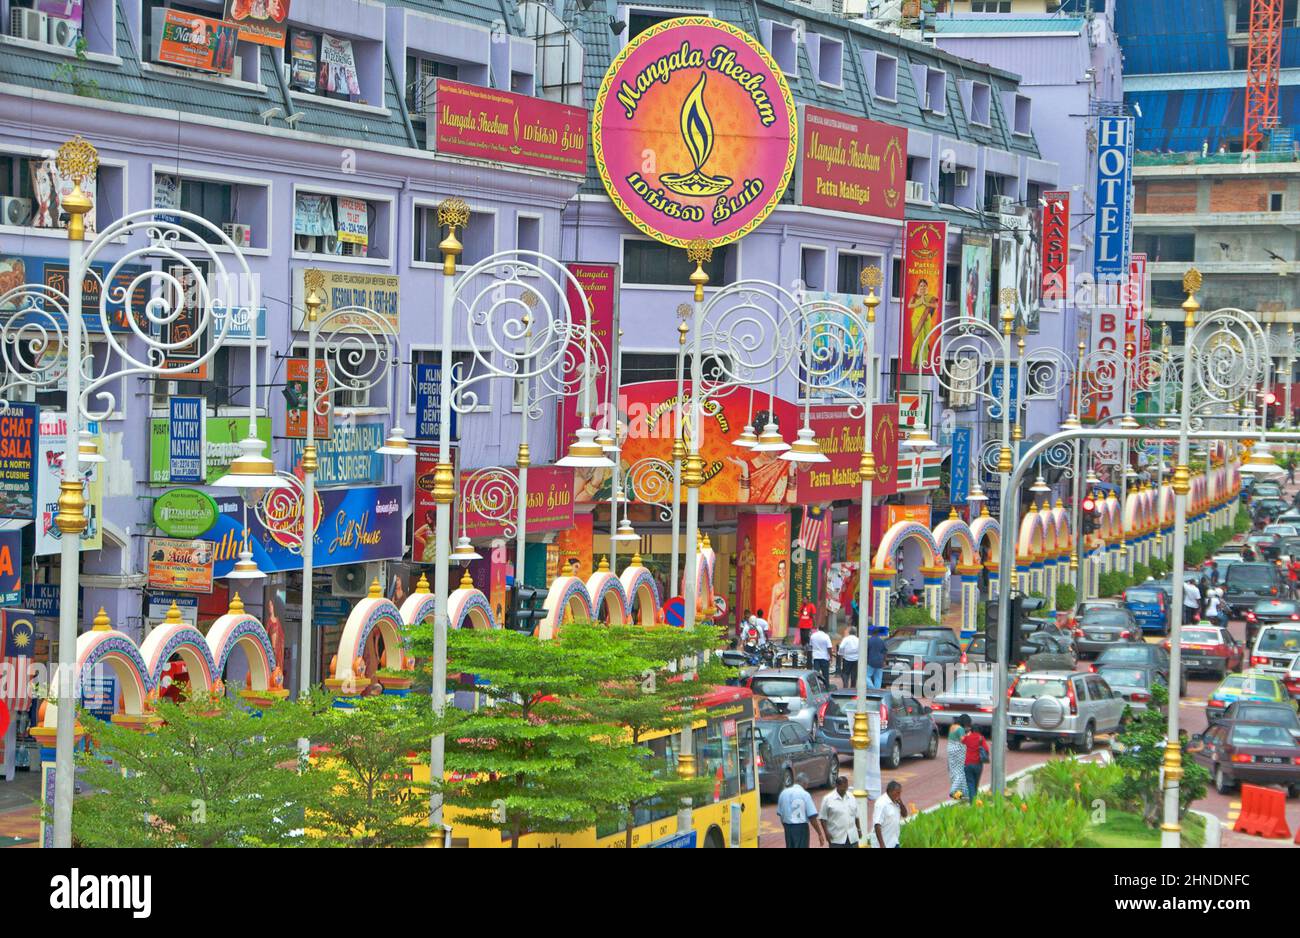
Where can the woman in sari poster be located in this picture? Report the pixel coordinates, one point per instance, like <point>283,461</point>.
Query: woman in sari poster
<point>925,246</point>
<point>922,310</point>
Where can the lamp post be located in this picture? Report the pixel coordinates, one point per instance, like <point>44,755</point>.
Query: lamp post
<point>684,312</point>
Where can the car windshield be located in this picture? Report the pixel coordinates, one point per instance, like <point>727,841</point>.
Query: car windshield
<point>1132,677</point>
<point>1105,617</point>
<point>1127,653</point>
<point>1261,734</point>
<point>1255,686</point>
<point>1274,607</point>
<point>1279,640</point>
<point>775,686</point>
<point>1031,688</point>
<point>975,685</point>
<point>1249,575</point>
<point>1200,637</point>
<point>1142,596</point>
<point>1281,715</point>
<point>908,646</point>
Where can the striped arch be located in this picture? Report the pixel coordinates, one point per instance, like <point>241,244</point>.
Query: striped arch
<point>1051,547</point>
<point>109,648</point>
<point>1134,515</point>
<point>1166,505</point>
<point>642,594</point>
<point>1064,536</point>
<point>567,600</point>
<point>609,599</point>
<point>899,533</point>
<point>706,563</point>
<point>954,529</point>
<point>468,608</point>
<point>185,640</point>
<point>418,607</point>
<point>986,526</point>
<point>1110,528</point>
<point>367,615</point>
<point>234,630</point>
<point>1030,543</point>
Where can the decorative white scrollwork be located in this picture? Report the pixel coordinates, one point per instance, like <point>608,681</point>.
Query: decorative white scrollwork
<point>649,481</point>
<point>492,494</point>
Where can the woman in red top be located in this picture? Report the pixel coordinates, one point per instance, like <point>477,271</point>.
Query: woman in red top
<point>977,751</point>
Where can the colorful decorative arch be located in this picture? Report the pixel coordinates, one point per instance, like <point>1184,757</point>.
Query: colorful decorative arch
<point>900,532</point>
<point>1030,543</point>
<point>186,641</point>
<point>419,607</point>
<point>1064,534</point>
<point>1166,504</point>
<point>1051,546</point>
<point>954,529</point>
<point>373,612</point>
<point>609,599</point>
<point>706,563</point>
<point>469,608</point>
<point>568,599</point>
<point>238,629</point>
<point>986,526</point>
<point>1134,516</point>
<point>642,594</point>
<point>112,649</point>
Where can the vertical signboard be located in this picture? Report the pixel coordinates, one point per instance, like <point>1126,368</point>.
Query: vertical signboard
<point>1056,245</point>
<point>428,403</point>
<point>924,261</point>
<point>1135,305</point>
<point>599,282</point>
<point>186,451</point>
<point>11,567</point>
<point>959,465</point>
<point>19,430</point>
<point>1114,197</point>
<point>53,444</point>
<point>884,447</point>
<point>976,276</point>
<point>298,399</point>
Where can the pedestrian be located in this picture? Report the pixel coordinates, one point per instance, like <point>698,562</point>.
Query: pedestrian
<point>1214,606</point>
<point>839,816</point>
<point>875,660</point>
<point>849,657</point>
<point>957,758</point>
<point>1247,554</point>
<point>744,632</point>
<point>795,808</point>
<point>977,753</point>
<point>807,618</point>
<point>887,815</point>
<point>1290,472</point>
<point>820,644</point>
<point>763,628</point>
<point>1191,601</point>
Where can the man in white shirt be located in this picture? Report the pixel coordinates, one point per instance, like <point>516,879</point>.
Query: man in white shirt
<point>839,816</point>
<point>820,643</point>
<point>1191,601</point>
<point>849,658</point>
<point>887,815</point>
<point>759,623</point>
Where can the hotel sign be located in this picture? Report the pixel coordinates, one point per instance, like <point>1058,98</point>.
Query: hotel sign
<point>1114,197</point>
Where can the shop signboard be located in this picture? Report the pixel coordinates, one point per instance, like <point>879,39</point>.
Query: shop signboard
<point>599,284</point>
<point>49,475</point>
<point>338,66</point>
<point>43,599</point>
<point>302,61</point>
<point>707,100</point>
<point>837,348</point>
<point>193,41</point>
<point>763,568</point>
<point>298,398</point>
<point>1056,245</point>
<point>353,221</point>
<point>16,270</point>
<point>184,513</point>
<point>221,445</point>
<point>19,435</point>
<point>347,457</point>
<point>242,324</point>
<point>851,164</point>
<point>338,289</point>
<point>180,564</point>
<point>186,453</point>
<point>995,389</point>
<point>259,21</point>
<point>329,610</point>
<point>959,465</point>
<point>913,409</point>
<point>925,250</point>
<point>428,402</point>
<point>353,525</point>
<point>11,567</point>
<point>550,503</point>
<point>514,129</point>
<point>976,276</point>
<point>1135,308</point>
<point>1114,197</point>
<point>160,604</point>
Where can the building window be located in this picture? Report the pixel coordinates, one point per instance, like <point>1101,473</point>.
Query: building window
<point>31,189</point>
<point>980,102</point>
<point>782,45</point>
<point>1275,201</point>
<point>347,398</point>
<point>884,78</point>
<point>237,209</point>
<point>948,187</point>
<point>992,6</point>
<point>812,268</point>
<point>422,76</point>
<point>896,279</point>
<point>528,233</point>
<point>88,25</point>
<point>189,46</point>
<point>848,272</point>
<point>936,91</point>
<point>1021,113</point>
<point>1165,247</point>
<point>828,59</point>
<point>635,367</point>
<point>478,237</point>
<point>638,21</point>
<point>340,225</point>
<point>650,262</point>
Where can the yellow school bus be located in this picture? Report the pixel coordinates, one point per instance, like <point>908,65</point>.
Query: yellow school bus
<point>724,751</point>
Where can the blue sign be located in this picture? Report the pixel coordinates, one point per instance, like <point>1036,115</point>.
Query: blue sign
<point>186,449</point>
<point>675,611</point>
<point>329,610</point>
<point>11,567</point>
<point>354,525</point>
<point>43,599</point>
<point>348,457</point>
<point>1114,198</point>
<point>995,388</point>
<point>959,466</point>
<point>428,401</point>
<point>19,436</point>
<point>687,839</point>
<point>243,323</point>
<point>53,273</point>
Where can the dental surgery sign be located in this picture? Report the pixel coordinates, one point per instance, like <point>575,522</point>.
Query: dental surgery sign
<point>694,132</point>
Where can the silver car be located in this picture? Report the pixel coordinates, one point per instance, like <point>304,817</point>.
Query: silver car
<point>798,694</point>
<point>1062,706</point>
<point>971,693</point>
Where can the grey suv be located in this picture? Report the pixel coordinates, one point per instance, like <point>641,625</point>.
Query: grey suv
<point>796,693</point>
<point>1062,706</point>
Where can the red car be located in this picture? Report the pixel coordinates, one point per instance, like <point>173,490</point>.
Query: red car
<point>1210,648</point>
<point>1243,751</point>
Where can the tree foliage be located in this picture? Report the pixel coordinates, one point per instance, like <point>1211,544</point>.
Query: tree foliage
<point>1142,755</point>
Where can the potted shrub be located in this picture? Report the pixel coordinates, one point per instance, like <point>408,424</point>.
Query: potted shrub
<point>1066,600</point>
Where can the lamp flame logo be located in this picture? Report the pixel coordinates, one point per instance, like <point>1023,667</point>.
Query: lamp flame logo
<point>698,135</point>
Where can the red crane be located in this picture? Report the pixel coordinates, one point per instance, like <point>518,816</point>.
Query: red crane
<point>1263,62</point>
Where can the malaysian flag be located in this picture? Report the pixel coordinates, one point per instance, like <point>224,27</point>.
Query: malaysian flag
<point>16,663</point>
<point>810,530</point>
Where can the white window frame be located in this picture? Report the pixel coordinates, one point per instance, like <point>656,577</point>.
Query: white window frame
<point>1016,99</point>
<point>485,396</point>
<point>325,189</point>
<point>624,285</point>
<point>975,86</point>
<point>198,175</point>
<point>826,255</point>
<point>541,230</point>
<point>108,58</point>
<point>298,349</point>
<point>876,59</point>
<point>823,41</point>
<point>475,208</point>
<point>930,72</point>
<point>18,149</point>
<point>772,27</point>
<point>866,255</point>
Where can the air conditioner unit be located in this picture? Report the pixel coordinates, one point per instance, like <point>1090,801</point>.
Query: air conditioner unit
<point>915,191</point>
<point>354,579</point>
<point>29,24</point>
<point>309,244</point>
<point>63,33</point>
<point>15,211</point>
<point>349,249</point>
<point>1002,204</point>
<point>242,235</point>
<point>963,178</point>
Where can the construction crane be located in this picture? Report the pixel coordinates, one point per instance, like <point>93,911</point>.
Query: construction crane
<point>1263,63</point>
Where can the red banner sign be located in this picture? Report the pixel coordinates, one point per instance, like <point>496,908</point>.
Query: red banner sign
<point>851,164</point>
<point>1135,305</point>
<point>510,128</point>
<point>884,447</point>
<point>194,41</point>
<point>550,504</point>
<point>925,250</point>
<point>600,286</point>
<point>260,21</point>
<point>1056,245</point>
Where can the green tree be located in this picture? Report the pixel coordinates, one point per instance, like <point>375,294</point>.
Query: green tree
<point>1142,754</point>
<point>212,774</point>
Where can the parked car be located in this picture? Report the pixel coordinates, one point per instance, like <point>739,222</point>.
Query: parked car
<point>971,693</point>
<point>1246,584</point>
<point>786,753</point>
<point>1268,546</point>
<point>1289,549</point>
<point>1266,489</point>
<point>1133,683</point>
<point>1283,612</point>
<point>907,727</point>
<point>909,659</point>
<point>1210,648</point>
<point>1290,516</point>
<point>1043,642</point>
<point>921,631</point>
<point>797,693</point>
<point>1256,753</point>
<point>1149,606</point>
<point>1252,685</point>
<point>1276,647</point>
<point>1139,653</point>
<point>1276,713</point>
<point>1282,530</point>
<point>1062,706</point>
<point>1100,628</point>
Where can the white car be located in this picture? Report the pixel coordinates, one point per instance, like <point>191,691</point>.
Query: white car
<point>1276,649</point>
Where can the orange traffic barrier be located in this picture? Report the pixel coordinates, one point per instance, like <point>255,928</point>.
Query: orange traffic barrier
<point>1263,812</point>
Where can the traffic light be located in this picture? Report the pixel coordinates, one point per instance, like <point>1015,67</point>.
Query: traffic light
<point>1088,515</point>
<point>1270,398</point>
<point>1019,609</point>
<point>991,631</point>
<point>525,609</point>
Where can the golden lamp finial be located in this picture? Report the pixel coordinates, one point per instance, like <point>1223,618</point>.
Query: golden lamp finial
<point>871,279</point>
<point>174,615</point>
<point>376,591</point>
<point>77,160</point>
<point>699,252</point>
<point>1008,297</point>
<point>313,284</point>
<point>466,581</point>
<point>603,566</point>
<point>102,623</point>
<point>636,560</point>
<point>236,605</point>
<point>1191,286</point>
<point>422,586</point>
<point>453,213</point>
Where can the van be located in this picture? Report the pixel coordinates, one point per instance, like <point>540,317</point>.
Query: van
<point>1276,648</point>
